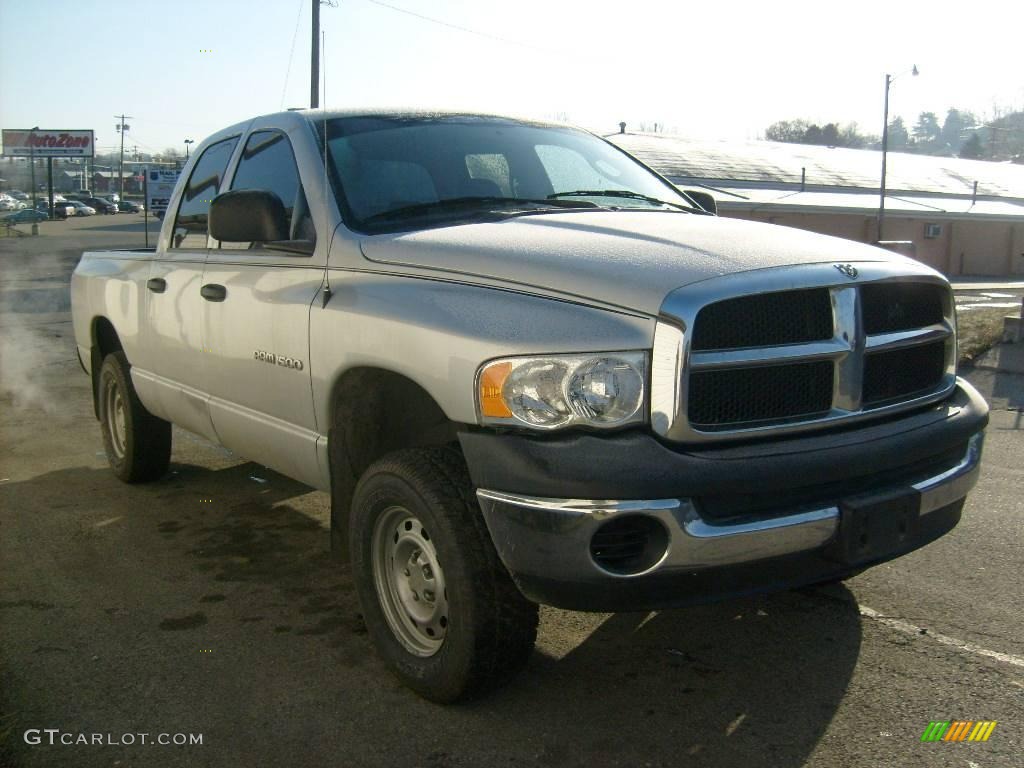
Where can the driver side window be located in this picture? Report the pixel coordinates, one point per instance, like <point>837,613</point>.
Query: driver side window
<point>268,163</point>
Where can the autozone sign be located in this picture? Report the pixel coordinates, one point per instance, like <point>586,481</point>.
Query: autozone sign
<point>24,142</point>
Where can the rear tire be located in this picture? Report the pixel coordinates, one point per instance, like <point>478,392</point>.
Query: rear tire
<point>138,444</point>
<point>438,604</point>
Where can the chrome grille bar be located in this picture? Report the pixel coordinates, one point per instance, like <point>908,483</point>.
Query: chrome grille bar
<point>847,394</point>
<point>911,338</point>
<point>791,353</point>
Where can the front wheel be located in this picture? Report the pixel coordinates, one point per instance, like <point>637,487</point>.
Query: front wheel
<point>438,604</point>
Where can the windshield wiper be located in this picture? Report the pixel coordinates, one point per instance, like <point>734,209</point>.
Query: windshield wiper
<point>460,203</point>
<point>620,193</point>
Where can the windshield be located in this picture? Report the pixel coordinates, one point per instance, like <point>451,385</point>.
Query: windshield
<point>400,172</point>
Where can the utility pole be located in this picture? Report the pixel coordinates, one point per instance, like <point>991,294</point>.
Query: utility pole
<point>314,83</point>
<point>885,149</point>
<point>32,159</point>
<point>121,128</point>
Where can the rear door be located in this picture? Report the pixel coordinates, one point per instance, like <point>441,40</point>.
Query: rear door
<point>258,373</point>
<point>170,370</point>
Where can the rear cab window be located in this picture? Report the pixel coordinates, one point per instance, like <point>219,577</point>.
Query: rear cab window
<point>191,220</point>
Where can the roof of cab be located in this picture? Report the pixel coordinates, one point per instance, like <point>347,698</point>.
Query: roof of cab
<point>317,115</point>
<point>293,116</point>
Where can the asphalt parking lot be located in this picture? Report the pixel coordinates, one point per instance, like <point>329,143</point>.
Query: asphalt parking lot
<point>208,603</point>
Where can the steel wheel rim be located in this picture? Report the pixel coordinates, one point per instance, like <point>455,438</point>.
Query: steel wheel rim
<point>117,426</point>
<point>409,581</point>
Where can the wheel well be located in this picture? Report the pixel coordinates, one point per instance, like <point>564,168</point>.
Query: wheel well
<point>104,341</point>
<point>373,413</point>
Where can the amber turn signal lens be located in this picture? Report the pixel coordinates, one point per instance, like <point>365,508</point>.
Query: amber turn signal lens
<point>492,380</point>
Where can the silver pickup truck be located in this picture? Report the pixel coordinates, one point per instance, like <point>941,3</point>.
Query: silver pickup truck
<point>529,370</point>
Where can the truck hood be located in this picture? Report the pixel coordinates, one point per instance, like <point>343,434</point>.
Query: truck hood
<point>626,259</point>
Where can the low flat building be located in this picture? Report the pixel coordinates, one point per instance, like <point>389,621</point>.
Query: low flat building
<point>963,217</point>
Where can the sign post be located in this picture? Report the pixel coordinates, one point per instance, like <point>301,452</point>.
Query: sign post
<point>49,183</point>
<point>145,205</point>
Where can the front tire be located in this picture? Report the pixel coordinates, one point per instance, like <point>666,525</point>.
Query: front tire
<point>138,444</point>
<point>438,604</point>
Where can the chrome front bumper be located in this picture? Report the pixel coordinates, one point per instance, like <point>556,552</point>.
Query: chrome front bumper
<point>549,539</point>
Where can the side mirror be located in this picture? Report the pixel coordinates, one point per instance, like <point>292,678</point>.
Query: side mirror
<point>704,200</point>
<point>248,216</point>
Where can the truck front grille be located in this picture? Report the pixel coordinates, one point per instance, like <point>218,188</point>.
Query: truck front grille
<point>889,307</point>
<point>768,319</point>
<point>802,357</point>
<point>903,373</point>
<point>721,398</point>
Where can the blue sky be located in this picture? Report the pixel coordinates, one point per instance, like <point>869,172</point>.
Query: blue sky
<point>187,68</point>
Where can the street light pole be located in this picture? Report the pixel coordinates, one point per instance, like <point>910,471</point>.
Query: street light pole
<point>885,150</point>
<point>187,142</point>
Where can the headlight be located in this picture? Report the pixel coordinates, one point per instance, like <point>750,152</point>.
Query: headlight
<point>553,391</point>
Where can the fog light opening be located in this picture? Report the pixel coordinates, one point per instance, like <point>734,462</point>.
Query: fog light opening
<point>629,544</point>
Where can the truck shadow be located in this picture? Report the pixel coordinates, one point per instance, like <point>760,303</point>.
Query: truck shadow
<point>130,226</point>
<point>753,682</point>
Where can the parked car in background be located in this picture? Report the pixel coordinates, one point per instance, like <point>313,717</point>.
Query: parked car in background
<point>8,204</point>
<point>81,209</point>
<point>130,206</point>
<point>62,209</point>
<point>24,216</point>
<point>102,205</point>
<point>17,194</point>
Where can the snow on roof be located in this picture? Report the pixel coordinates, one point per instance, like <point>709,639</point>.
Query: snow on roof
<point>775,164</point>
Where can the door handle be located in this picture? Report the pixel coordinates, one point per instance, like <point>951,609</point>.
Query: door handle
<point>214,292</point>
<point>156,284</point>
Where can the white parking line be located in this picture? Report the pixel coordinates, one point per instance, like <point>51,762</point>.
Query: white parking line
<point>989,305</point>
<point>910,629</point>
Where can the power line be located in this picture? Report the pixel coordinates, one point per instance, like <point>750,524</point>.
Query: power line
<point>190,126</point>
<point>458,27</point>
<point>291,55</point>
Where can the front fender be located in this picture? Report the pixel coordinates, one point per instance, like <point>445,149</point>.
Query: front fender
<point>437,333</point>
